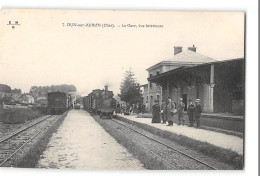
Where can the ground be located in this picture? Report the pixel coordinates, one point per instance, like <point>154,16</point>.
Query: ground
<point>81,143</point>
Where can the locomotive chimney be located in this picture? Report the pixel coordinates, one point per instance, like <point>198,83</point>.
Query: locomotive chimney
<point>193,48</point>
<point>106,88</point>
<point>177,50</point>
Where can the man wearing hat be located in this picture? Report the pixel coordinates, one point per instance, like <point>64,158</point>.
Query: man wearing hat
<point>180,109</point>
<point>190,112</point>
<point>197,112</point>
<point>156,112</point>
<point>169,114</point>
<point>163,111</point>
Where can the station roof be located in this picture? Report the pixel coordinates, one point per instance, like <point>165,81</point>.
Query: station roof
<point>143,85</point>
<point>161,78</point>
<point>186,57</point>
<point>190,57</point>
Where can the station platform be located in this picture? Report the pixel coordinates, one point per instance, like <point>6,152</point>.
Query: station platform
<point>218,122</point>
<point>230,142</point>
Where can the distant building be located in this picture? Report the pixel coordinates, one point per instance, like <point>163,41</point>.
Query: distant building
<point>27,98</point>
<point>144,93</point>
<point>41,99</point>
<point>73,98</point>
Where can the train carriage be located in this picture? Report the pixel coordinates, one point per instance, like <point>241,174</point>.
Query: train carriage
<point>58,102</point>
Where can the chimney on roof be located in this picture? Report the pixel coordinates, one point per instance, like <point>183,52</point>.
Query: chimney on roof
<point>177,50</point>
<point>193,48</point>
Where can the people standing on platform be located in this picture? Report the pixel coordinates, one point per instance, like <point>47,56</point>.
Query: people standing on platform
<point>146,106</point>
<point>163,112</point>
<point>197,112</point>
<point>121,109</point>
<point>118,108</point>
<point>191,112</point>
<point>134,108</point>
<point>140,107</point>
<point>180,109</point>
<point>156,112</point>
<point>169,112</point>
<point>143,108</point>
<point>137,108</point>
<point>129,109</point>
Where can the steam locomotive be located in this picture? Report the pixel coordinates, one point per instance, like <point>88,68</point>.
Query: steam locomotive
<point>100,102</point>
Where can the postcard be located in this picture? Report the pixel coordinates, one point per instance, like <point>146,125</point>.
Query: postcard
<point>122,89</point>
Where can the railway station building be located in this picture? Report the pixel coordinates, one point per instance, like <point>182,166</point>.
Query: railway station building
<point>188,57</point>
<point>189,75</point>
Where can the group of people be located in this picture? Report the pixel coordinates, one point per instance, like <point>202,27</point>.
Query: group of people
<point>135,108</point>
<point>167,111</point>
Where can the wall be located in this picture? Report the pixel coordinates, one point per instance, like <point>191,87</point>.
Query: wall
<point>195,84</point>
<point>229,86</point>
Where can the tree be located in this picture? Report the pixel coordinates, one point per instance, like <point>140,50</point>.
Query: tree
<point>16,91</point>
<point>79,99</point>
<point>130,89</point>
<point>39,90</point>
<point>5,88</point>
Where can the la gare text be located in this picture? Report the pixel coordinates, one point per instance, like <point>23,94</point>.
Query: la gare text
<point>110,25</point>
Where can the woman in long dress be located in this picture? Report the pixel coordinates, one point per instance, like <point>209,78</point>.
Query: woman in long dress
<point>156,112</point>
<point>170,112</point>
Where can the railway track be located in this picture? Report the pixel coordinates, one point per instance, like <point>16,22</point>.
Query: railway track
<point>168,161</point>
<point>16,141</point>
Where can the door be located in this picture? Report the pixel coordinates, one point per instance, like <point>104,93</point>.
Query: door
<point>184,100</point>
<point>151,103</point>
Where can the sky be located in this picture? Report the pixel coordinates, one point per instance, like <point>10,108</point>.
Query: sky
<point>46,50</point>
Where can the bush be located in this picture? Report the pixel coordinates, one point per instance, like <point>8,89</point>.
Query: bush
<point>41,109</point>
<point>18,115</point>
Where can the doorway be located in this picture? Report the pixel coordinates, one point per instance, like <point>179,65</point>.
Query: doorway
<point>184,100</point>
<point>151,103</point>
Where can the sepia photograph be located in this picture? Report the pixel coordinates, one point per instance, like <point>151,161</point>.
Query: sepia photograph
<point>122,89</point>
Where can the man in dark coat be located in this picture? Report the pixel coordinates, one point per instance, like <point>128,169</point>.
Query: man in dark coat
<point>156,112</point>
<point>191,112</point>
<point>197,112</point>
<point>118,110</point>
<point>180,109</point>
<point>143,108</point>
<point>140,107</point>
<point>163,112</point>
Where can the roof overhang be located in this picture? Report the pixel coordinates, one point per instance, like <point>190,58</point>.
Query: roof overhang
<point>162,78</point>
<point>173,63</point>
<point>179,73</point>
<point>144,85</point>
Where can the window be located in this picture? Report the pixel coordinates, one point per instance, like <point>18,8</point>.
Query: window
<point>151,84</point>
<point>158,72</point>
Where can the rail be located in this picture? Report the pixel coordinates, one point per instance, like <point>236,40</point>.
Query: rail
<point>27,141</point>
<point>170,147</point>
